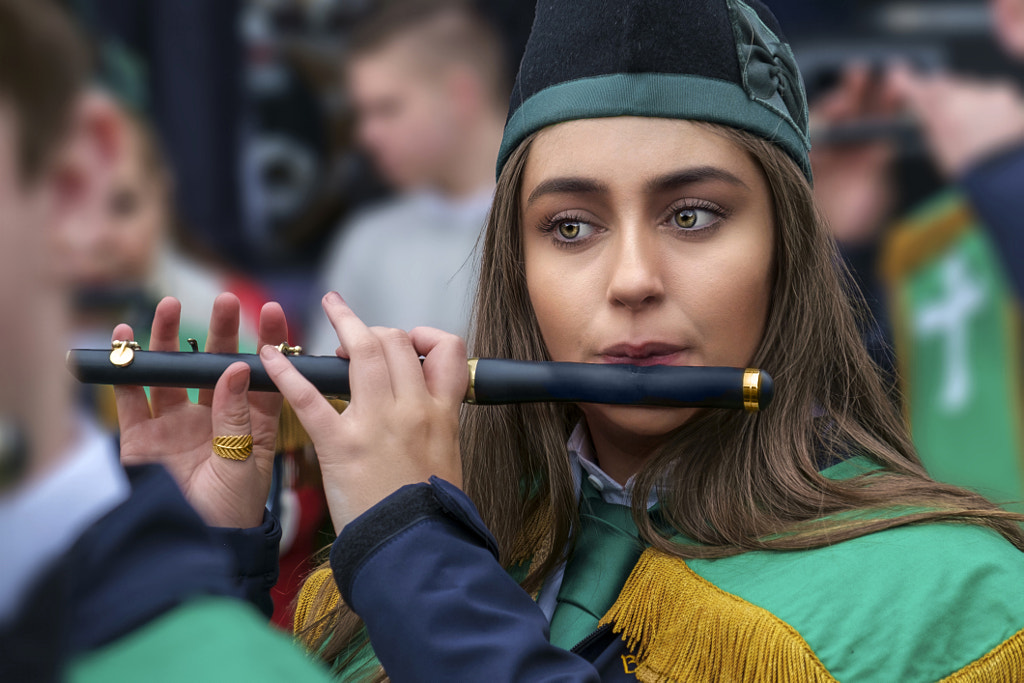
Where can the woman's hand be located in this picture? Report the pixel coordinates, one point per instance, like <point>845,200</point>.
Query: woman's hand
<point>402,423</point>
<point>171,430</point>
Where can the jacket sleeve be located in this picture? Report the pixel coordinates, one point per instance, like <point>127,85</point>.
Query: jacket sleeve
<point>421,570</point>
<point>996,191</point>
<point>255,552</point>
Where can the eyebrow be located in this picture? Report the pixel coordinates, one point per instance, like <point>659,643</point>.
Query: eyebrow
<point>570,185</point>
<point>689,176</point>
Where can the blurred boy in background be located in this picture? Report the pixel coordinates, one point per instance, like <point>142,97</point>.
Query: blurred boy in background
<point>427,81</point>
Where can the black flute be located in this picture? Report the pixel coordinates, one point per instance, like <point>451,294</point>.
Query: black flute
<point>492,380</point>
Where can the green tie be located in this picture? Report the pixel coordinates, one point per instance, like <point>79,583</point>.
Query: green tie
<point>606,551</point>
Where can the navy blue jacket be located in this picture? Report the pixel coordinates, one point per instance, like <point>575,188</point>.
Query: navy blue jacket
<point>422,571</point>
<point>995,188</point>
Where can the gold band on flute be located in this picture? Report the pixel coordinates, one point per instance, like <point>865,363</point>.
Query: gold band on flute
<point>751,390</point>
<point>471,391</point>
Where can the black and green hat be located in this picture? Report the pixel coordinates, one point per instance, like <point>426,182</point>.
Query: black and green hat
<point>722,61</point>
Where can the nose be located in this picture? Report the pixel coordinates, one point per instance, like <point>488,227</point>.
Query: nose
<point>636,270</point>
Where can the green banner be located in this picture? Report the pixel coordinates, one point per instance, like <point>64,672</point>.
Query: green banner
<point>958,341</point>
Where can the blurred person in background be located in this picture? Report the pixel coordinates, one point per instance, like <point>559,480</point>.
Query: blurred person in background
<point>951,271</point>
<point>122,265</point>
<point>428,83</point>
<point>108,574</point>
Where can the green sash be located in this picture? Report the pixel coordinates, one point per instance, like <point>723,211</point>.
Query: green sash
<point>958,342</point>
<point>915,604</point>
<point>606,551</point>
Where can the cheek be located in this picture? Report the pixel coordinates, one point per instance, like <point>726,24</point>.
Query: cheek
<point>558,305</point>
<point>740,326</point>
<point>546,304</point>
<point>735,308</point>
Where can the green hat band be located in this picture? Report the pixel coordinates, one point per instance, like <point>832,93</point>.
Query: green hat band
<point>671,96</point>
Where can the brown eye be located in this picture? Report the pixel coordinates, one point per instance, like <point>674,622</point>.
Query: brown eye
<point>686,218</point>
<point>569,230</point>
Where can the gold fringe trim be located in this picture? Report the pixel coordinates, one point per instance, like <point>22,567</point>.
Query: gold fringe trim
<point>1004,663</point>
<point>533,545</point>
<point>291,435</point>
<point>311,609</point>
<point>534,539</point>
<point>683,628</point>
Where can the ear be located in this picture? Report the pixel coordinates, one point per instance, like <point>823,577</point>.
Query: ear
<point>83,173</point>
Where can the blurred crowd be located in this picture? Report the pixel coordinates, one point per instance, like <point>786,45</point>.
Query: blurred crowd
<point>277,149</point>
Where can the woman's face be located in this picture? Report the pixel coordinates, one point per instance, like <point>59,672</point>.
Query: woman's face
<point>647,241</point>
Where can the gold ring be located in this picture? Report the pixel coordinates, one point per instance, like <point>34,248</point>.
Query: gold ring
<point>233,447</point>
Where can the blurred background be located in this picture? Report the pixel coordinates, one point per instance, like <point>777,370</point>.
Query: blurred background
<point>247,102</point>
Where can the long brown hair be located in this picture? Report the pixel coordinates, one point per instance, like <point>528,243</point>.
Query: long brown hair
<point>729,480</point>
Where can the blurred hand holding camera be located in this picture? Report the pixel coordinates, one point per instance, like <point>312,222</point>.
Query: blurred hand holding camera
<point>963,120</point>
<point>851,179</point>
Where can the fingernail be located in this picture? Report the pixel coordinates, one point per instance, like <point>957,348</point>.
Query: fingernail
<point>333,298</point>
<point>239,384</point>
<point>269,352</point>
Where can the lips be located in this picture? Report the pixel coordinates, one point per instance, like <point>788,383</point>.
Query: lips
<point>645,353</point>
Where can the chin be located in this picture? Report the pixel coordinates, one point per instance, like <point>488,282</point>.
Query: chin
<point>645,422</point>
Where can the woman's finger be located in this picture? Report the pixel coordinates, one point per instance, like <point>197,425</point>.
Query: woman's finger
<point>404,368</point>
<point>368,377</point>
<point>273,325</point>
<point>312,409</point>
<point>445,369</point>
<point>232,452</point>
<point>223,333</point>
<point>132,402</point>
<point>266,405</point>
<point>164,337</point>
<point>231,412</point>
